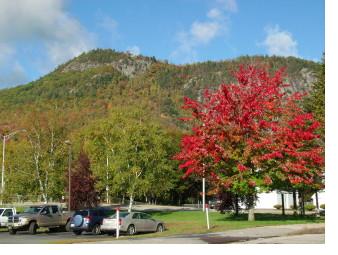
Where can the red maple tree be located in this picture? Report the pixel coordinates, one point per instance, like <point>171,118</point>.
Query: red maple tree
<point>252,134</point>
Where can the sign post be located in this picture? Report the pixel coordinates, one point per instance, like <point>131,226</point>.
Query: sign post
<point>117,222</point>
<point>207,213</point>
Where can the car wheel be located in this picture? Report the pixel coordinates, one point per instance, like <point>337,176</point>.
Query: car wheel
<point>96,229</point>
<point>12,231</point>
<point>159,228</point>
<point>77,232</point>
<point>67,227</point>
<point>32,228</point>
<point>131,230</point>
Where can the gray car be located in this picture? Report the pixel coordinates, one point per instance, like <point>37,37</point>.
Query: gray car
<point>132,223</point>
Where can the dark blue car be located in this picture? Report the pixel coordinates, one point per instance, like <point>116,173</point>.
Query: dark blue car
<point>89,220</point>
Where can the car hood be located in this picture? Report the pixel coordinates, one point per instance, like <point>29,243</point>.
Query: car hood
<point>25,215</point>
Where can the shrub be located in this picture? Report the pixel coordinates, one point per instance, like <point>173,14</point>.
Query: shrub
<point>309,207</point>
<point>322,206</point>
<point>278,206</point>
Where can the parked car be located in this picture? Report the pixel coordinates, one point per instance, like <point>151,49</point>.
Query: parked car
<point>33,217</point>
<point>214,204</point>
<point>132,223</point>
<point>89,220</point>
<point>5,213</point>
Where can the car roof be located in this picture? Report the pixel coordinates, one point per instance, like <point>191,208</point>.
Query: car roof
<point>42,205</point>
<point>95,209</point>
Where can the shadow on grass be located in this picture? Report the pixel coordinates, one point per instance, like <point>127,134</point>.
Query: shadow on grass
<point>270,217</point>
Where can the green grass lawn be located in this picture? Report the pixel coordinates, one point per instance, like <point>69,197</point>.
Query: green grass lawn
<point>194,222</point>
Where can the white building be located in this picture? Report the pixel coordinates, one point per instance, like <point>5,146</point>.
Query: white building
<point>268,200</point>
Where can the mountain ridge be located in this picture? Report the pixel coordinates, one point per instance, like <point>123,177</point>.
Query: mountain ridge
<point>104,77</point>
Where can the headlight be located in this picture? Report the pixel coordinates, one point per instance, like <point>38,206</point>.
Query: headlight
<point>23,220</point>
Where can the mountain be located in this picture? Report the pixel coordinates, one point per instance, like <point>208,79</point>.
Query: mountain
<point>98,97</point>
<point>103,78</point>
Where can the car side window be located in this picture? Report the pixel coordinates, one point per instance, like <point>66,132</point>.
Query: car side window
<point>55,209</point>
<point>136,216</point>
<point>8,213</point>
<point>45,210</point>
<point>145,216</point>
<point>108,213</point>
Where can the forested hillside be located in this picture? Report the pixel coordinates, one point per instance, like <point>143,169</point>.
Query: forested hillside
<point>123,111</point>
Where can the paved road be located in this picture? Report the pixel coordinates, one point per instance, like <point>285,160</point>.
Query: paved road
<point>297,239</point>
<point>44,237</point>
<point>298,233</point>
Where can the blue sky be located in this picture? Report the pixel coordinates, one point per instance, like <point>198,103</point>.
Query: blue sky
<point>38,35</point>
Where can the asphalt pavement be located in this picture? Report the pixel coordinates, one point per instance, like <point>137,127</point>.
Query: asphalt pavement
<point>45,237</point>
<point>297,233</point>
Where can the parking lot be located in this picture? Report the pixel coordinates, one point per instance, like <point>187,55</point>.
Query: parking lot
<point>296,233</point>
<point>45,237</point>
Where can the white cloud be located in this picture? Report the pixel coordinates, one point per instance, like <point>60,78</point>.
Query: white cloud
<point>204,32</point>
<point>134,50</point>
<point>185,52</point>
<point>214,13</point>
<point>46,23</point>
<point>279,42</point>
<point>200,33</point>
<point>228,5</point>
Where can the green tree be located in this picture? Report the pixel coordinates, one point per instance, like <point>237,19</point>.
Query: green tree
<point>139,153</point>
<point>315,102</point>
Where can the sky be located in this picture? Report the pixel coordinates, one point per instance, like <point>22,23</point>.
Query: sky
<point>38,35</point>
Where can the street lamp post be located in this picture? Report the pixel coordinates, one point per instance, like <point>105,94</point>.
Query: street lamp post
<point>4,139</point>
<point>69,174</point>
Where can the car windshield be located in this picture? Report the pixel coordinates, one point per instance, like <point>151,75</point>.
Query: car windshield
<point>33,209</point>
<point>1,210</point>
<point>122,215</point>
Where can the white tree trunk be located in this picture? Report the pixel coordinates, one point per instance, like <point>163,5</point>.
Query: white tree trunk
<point>36,147</point>
<point>251,214</point>
<point>130,203</point>
<point>41,186</point>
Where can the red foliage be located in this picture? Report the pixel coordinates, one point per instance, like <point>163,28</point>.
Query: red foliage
<point>83,193</point>
<point>241,168</point>
<point>253,127</point>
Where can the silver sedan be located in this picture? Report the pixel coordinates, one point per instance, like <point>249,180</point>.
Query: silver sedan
<point>132,223</point>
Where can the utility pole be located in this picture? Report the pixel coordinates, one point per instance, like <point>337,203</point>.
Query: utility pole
<point>69,172</point>
<point>4,139</point>
<point>107,176</point>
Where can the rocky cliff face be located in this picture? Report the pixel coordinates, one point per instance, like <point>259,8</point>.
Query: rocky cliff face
<point>127,64</point>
